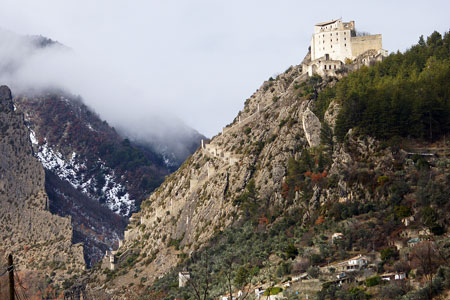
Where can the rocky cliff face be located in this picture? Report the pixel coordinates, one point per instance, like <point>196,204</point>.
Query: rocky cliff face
<point>39,240</point>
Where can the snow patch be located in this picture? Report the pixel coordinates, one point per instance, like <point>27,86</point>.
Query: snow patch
<point>71,171</point>
<point>33,139</point>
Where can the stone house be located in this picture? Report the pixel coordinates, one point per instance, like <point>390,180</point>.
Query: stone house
<point>353,264</point>
<point>357,263</point>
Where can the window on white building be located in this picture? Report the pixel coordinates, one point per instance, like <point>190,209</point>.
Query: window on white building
<point>325,67</point>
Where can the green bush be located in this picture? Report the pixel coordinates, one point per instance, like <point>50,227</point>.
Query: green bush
<point>388,253</point>
<point>273,291</point>
<point>314,272</point>
<point>372,281</point>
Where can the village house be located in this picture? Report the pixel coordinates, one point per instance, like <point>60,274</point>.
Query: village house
<point>353,264</point>
<point>393,276</point>
<point>398,244</point>
<point>343,278</point>
<point>357,263</point>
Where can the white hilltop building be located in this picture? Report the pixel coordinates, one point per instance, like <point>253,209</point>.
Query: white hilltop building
<point>335,43</point>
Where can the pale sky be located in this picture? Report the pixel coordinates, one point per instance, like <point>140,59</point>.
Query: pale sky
<point>198,59</point>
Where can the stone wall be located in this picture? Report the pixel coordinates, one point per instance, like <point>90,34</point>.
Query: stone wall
<point>220,153</point>
<point>361,44</point>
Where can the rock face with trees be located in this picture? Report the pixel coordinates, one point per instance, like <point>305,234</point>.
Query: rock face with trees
<point>290,214</point>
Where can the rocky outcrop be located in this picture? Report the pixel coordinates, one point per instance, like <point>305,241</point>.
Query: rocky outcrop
<point>331,114</point>
<point>38,239</point>
<point>311,126</point>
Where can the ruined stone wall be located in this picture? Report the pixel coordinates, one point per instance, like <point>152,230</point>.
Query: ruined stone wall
<point>361,44</point>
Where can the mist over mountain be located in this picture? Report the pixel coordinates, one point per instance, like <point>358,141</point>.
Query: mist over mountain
<point>93,172</point>
<point>32,64</point>
<point>171,138</point>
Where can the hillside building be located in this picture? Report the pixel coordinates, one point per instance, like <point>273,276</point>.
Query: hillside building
<point>335,43</point>
<point>183,278</point>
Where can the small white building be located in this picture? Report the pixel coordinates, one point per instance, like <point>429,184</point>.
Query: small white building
<point>183,278</point>
<point>393,276</point>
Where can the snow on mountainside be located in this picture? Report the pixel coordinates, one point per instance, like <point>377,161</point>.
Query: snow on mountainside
<point>77,146</point>
<point>92,173</point>
<point>70,170</point>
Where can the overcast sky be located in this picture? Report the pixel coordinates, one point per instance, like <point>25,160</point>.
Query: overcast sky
<point>197,59</point>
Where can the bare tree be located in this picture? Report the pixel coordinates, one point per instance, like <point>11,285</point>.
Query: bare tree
<point>200,281</point>
<point>426,258</point>
<point>238,276</point>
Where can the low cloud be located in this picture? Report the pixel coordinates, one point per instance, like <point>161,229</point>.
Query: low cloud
<point>31,64</point>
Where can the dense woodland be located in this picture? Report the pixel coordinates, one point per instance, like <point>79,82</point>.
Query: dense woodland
<point>406,95</point>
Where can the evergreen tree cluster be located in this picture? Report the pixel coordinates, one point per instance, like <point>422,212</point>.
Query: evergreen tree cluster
<point>407,95</point>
